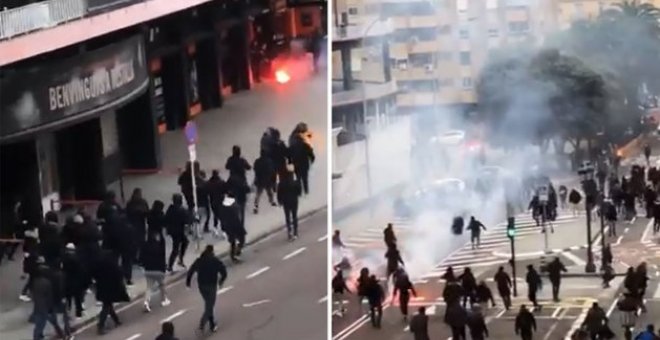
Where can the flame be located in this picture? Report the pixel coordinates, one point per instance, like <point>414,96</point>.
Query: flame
<point>282,77</point>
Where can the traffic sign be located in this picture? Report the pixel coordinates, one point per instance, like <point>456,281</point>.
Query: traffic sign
<point>191,132</point>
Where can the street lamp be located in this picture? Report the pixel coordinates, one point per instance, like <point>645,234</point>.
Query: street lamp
<point>586,172</point>
<point>380,18</point>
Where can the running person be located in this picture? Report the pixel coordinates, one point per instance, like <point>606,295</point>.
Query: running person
<point>475,227</point>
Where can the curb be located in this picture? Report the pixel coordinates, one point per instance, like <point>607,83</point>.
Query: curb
<point>180,276</point>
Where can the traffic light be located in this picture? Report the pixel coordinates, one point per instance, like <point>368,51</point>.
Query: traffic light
<point>511,227</point>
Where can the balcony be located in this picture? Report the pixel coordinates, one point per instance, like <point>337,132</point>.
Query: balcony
<point>415,73</point>
<point>359,94</point>
<point>50,25</point>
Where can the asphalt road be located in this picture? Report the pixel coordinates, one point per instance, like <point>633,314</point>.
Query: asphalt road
<point>286,301</point>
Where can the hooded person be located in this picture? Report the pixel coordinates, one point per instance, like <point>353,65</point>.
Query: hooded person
<point>177,219</point>
<point>238,188</point>
<point>237,165</point>
<point>152,258</point>
<point>404,288</point>
<point>231,224</point>
<point>110,289</point>
<point>50,242</point>
<point>211,273</point>
<point>419,325</point>
<point>302,157</point>
<point>156,222</point>
<point>217,189</point>
<point>45,301</point>
<point>76,279</point>
<point>167,332</point>
<point>108,207</point>
<point>288,193</point>
<point>137,210</point>
<point>265,176</point>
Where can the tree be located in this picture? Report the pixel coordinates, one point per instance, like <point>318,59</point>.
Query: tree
<point>534,98</point>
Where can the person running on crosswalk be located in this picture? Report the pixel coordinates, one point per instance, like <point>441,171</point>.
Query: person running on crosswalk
<point>469,284</point>
<point>339,287</point>
<point>404,287</point>
<point>376,296</point>
<point>484,294</point>
<point>388,236</point>
<point>475,227</point>
<point>503,281</point>
<point>534,284</point>
<point>555,268</point>
<point>362,285</point>
<point>449,275</point>
<point>393,257</point>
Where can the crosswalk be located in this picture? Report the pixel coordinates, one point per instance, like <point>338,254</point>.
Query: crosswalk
<point>491,240</point>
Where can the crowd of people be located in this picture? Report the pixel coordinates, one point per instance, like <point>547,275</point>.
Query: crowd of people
<point>63,261</point>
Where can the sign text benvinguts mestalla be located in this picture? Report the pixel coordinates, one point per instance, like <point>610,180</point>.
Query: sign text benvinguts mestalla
<point>102,81</point>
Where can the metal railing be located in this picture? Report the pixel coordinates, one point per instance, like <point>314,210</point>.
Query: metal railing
<point>26,19</point>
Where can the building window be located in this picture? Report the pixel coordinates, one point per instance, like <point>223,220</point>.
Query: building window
<point>420,59</point>
<point>446,82</point>
<point>467,82</point>
<point>493,33</point>
<point>352,11</point>
<point>518,27</point>
<point>444,29</point>
<point>444,56</point>
<point>464,33</point>
<point>465,58</point>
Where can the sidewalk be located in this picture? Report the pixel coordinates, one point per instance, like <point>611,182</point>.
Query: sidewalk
<point>241,121</point>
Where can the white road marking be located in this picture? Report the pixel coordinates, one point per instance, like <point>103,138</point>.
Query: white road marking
<point>618,240</point>
<point>431,310</point>
<point>258,272</point>
<point>223,290</point>
<point>256,303</point>
<point>578,261</point>
<point>499,315</point>
<point>323,299</point>
<point>134,336</point>
<point>294,253</point>
<point>656,295</point>
<point>646,232</point>
<point>556,312</point>
<point>322,238</point>
<point>173,316</point>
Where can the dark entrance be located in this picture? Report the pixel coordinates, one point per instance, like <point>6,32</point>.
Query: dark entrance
<point>80,161</point>
<point>19,180</point>
<point>176,108</point>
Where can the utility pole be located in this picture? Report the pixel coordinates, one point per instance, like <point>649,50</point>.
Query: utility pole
<point>511,233</point>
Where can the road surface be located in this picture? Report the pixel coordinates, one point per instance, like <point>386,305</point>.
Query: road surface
<point>285,301</point>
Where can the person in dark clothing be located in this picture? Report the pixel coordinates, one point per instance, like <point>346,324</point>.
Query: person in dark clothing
<point>12,226</point>
<point>110,289</point>
<point>610,216</point>
<point>125,241</point>
<point>375,296</point>
<point>649,199</point>
<point>203,201</point>
<point>57,278</point>
<point>595,321</point>
<point>217,189</point>
<point>167,332</point>
<point>31,251</point>
<point>152,258</point>
<point>393,257</point>
<point>574,198</point>
<point>156,219</point>
<point>484,294</point>
<point>208,267</point>
<point>533,285</point>
<point>302,157</point>
<point>388,236</point>
<point>177,219</point>
<point>137,210</point>
<point>419,325</point>
<point>185,182</point>
<point>50,242</point>
<point>449,275</point>
<point>404,287</point>
<point>288,193</point>
<point>264,179</point>
<point>555,268</point>
<point>452,293</point>
<point>475,227</point>
<point>44,296</point>
<point>238,188</point>
<point>456,317</point>
<point>231,224</point>
<point>237,165</point>
<point>108,207</point>
<point>503,281</point>
<point>362,285</point>
<point>75,279</point>
<point>477,324</point>
<point>525,325</point>
<point>339,288</point>
<point>469,284</point>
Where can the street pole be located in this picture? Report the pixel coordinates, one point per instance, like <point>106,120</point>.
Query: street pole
<point>590,267</point>
<point>513,266</point>
<point>364,108</point>
<point>602,230</point>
